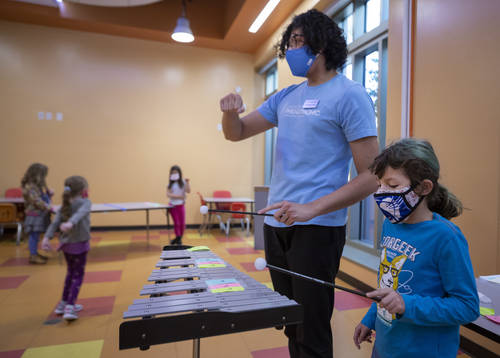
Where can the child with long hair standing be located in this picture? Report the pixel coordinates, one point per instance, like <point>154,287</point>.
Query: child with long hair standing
<point>425,282</point>
<point>176,192</point>
<point>73,220</point>
<point>37,199</point>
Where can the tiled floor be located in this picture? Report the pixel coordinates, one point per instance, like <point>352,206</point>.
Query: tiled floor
<point>118,266</point>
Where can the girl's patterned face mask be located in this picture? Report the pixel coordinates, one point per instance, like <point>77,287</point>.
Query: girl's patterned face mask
<point>397,205</point>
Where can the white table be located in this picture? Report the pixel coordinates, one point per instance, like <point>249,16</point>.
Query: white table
<point>131,206</point>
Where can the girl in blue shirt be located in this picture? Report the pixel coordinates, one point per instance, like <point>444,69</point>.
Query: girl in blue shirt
<point>425,282</point>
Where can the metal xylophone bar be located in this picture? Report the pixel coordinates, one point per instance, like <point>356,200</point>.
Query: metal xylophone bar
<point>198,312</point>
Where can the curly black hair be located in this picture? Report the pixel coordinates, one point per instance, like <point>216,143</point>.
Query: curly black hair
<point>321,34</point>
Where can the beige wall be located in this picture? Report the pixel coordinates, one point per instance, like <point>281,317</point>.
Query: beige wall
<point>131,108</point>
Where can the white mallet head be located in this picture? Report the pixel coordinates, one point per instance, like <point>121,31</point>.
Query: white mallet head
<point>204,209</point>
<point>260,263</point>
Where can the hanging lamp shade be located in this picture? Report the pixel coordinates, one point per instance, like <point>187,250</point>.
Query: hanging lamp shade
<point>182,32</point>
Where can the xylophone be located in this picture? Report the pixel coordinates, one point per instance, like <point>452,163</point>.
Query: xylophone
<point>196,294</point>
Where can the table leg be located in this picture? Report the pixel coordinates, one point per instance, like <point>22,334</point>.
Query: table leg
<point>19,232</point>
<point>168,224</point>
<point>196,348</point>
<point>209,222</point>
<point>147,225</point>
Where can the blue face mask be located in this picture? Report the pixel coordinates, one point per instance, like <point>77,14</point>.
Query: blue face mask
<point>300,60</point>
<point>397,206</point>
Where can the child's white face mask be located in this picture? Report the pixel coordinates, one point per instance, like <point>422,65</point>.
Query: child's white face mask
<point>175,176</point>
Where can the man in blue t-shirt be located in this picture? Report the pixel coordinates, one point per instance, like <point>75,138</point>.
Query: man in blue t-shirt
<point>323,123</point>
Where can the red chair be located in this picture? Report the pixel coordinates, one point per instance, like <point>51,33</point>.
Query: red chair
<point>14,193</point>
<point>222,194</point>
<point>241,217</point>
<point>8,216</point>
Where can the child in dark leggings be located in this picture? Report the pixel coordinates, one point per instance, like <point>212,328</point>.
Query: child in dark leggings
<point>73,220</point>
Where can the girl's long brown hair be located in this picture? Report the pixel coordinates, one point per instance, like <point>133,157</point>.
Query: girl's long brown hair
<point>73,186</point>
<point>36,175</point>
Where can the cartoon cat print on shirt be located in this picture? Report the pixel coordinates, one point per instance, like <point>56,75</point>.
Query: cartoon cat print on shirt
<point>389,278</point>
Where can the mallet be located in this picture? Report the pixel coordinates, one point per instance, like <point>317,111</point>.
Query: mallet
<point>205,210</point>
<point>260,264</point>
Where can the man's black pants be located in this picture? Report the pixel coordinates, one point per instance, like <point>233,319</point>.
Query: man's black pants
<point>314,251</point>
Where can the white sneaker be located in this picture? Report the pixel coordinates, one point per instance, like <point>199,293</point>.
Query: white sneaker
<point>70,313</point>
<point>60,307</point>
<point>78,307</point>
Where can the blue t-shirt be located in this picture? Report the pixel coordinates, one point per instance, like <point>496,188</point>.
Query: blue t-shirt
<point>312,150</point>
<point>428,263</point>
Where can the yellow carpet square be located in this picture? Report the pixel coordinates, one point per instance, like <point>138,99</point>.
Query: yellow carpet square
<point>195,235</point>
<point>90,349</point>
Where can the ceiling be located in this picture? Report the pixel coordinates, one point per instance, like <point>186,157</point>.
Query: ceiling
<point>219,24</point>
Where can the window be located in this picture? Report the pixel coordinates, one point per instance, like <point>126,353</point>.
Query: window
<point>365,28</point>
<point>271,81</point>
<point>271,86</point>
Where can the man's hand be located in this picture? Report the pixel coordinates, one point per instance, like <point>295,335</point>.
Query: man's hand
<point>289,213</point>
<point>232,103</point>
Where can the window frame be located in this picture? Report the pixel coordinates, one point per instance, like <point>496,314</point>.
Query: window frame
<point>271,134</point>
<point>358,248</point>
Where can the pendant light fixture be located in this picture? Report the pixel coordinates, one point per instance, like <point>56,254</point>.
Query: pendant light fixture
<point>182,32</point>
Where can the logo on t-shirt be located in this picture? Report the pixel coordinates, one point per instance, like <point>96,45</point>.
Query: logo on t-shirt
<point>297,111</point>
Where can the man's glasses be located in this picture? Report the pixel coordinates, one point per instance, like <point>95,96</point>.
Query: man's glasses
<point>296,40</point>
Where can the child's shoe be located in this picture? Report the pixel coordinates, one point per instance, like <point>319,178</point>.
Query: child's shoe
<point>43,257</point>
<point>78,307</point>
<point>176,241</point>
<point>70,313</point>
<point>37,260</point>
<point>60,307</point>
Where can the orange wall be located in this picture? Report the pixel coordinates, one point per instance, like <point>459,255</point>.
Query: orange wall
<point>131,109</point>
<point>456,100</point>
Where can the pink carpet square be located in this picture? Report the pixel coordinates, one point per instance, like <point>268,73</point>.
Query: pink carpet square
<point>250,267</point>
<point>12,354</point>
<point>280,352</point>
<point>229,239</point>
<point>12,281</point>
<point>93,257</point>
<point>16,261</point>
<point>243,251</point>
<point>102,276</point>
<point>92,306</point>
<point>348,301</point>
<point>144,237</point>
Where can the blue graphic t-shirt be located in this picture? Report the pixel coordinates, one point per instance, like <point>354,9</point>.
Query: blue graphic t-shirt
<point>428,263</point>
<point>315,126</point>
